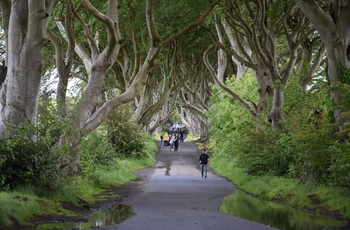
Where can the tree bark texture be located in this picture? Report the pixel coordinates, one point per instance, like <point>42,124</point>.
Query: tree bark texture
<point>27,24</point>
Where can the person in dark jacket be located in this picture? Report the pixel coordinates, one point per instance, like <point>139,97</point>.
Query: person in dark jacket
<point>203,160</point>
<point>176,142</point>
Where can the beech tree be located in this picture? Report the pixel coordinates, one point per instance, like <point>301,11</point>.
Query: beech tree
<point>331,20</point>
<point>268,39</point>
<point>24,25</point>
<point>111,59</point>
<point>189,81</point>
<point>180,65</point>
<point>118,65</point>
<point>195,90</point>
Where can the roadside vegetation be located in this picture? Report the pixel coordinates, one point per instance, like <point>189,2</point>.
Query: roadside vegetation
<point>319,199</point>
<point>33,183</point>
<point>305,165</point>
<point>278,116</point>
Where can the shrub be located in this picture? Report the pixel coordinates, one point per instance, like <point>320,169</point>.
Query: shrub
<point>339,169</point>
<point>28,158</point>
<point>96,151</point>
<point>124,133</point>
<point>265,152</point>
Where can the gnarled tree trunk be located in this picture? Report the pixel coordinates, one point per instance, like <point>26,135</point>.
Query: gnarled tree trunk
<point>27,23</point>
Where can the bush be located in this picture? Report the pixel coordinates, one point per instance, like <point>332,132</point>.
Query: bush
<point>27,158</point>
<point>339,168</point>
<point>96,152</point>
<point>124,133</point>
<point>102,165</point>
<point>266,153</point>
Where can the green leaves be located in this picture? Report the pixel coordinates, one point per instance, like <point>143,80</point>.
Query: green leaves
<point>309,148</point>
<point>28,159</point>
<point>230,122</point>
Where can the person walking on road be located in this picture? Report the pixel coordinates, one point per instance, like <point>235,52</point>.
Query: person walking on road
<point>203,160</point>
<point>176,142</point>
<point>161,144</point>
<point>173,139</point>
<point>165,140</point>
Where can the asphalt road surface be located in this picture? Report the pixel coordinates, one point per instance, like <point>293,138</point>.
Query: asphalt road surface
<point>174,196</point>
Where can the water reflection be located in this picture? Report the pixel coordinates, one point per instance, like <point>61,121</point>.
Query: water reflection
<point>276,215</point>
<point>168,167</point>
<point>164,165</point>
<point>115,215</point>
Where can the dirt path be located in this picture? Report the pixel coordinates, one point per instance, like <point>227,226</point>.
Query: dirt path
<point>175,196</point>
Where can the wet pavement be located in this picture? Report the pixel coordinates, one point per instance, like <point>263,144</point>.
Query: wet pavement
<point>174,196</point>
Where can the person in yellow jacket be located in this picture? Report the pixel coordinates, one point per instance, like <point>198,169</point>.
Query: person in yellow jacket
<point>165,140</point>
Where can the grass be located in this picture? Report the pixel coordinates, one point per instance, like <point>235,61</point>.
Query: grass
<point>23,204</point>
<point>289,191</point>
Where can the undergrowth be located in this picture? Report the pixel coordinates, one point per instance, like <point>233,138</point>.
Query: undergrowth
<point>23,203</point>
<point>285,190</point>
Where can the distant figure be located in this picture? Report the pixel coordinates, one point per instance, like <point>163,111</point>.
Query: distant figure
<point>178,127</point>
<point>165,140</point>
<point>161,144</point>
<point>169,138</point>
<point>182,135</point>
<point>173,138</point>
<point>203,160</point>
<point>176,141</point>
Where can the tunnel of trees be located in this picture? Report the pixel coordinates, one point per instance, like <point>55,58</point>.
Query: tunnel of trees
<point>267,82</point>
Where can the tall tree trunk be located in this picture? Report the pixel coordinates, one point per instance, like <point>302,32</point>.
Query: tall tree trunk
<point>265,92</point>
<point>64,62</point>
<point>235,45</point>
<point>20,90</point>
<point>222,56</point>
<point>277,108</point>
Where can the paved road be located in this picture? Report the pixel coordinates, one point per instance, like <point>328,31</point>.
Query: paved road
<point>175,197</point>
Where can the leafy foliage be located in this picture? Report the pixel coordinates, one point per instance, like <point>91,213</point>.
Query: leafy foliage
<point>96,152</point>
<point>339,168</point>
<point>124,135</point>
<point>29,159</point>
<point>310,148</point>
<point>100,156</point>
<point>176,15</point>
<point>266,154</point>
<point>228,120</point>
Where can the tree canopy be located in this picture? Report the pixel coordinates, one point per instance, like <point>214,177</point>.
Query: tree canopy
<point>155,59</point>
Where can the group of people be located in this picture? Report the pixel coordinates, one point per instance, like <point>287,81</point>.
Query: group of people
<point>176,134</point>
<point>171,140</point>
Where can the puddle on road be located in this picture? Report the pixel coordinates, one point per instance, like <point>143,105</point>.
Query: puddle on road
<point>165,165</point>
<point>273,214</point>
<point>114,215</point>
